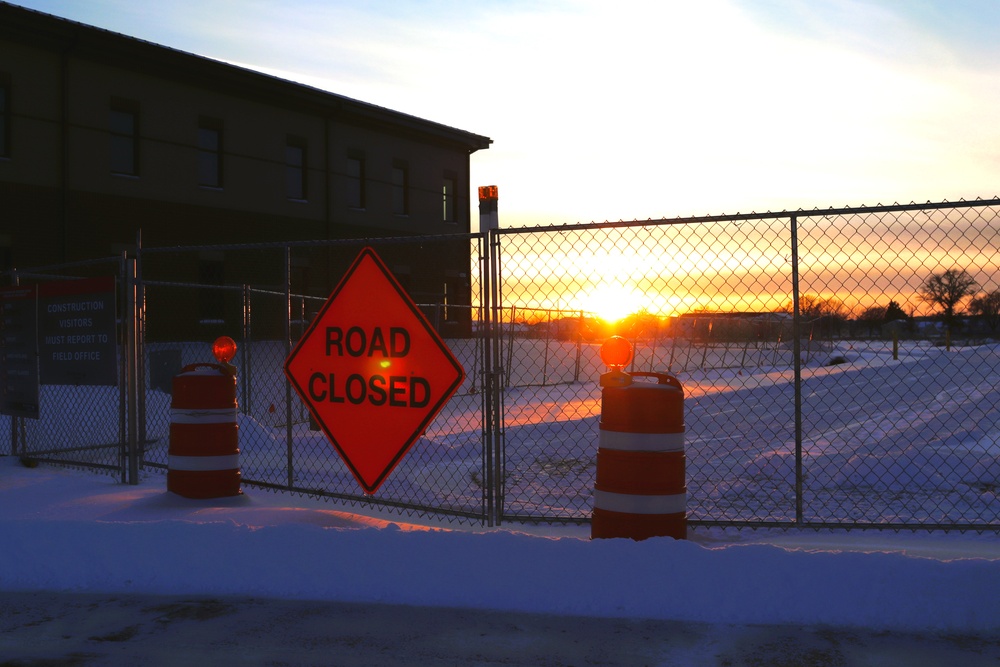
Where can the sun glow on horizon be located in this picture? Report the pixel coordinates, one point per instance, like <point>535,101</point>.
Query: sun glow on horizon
<point>611,303</point>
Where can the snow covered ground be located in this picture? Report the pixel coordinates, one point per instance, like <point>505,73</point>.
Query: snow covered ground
<point>73,531</point>
<point>927,428</point>
<point>912,440</point>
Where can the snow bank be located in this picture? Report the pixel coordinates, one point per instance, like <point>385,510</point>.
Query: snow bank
<point>73,531</point>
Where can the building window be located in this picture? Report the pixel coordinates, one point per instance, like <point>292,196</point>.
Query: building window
<point>448,192</point>
<point>295,169</point>
<point>356,180</point>
<point>4,115</point>
<point>400,188</point>
<point>210,153</point>
<point>124,128</point>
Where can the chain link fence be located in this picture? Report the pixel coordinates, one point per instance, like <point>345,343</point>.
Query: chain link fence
<point>282,448</point>
<point>83,418</point>
<point>840,367</point>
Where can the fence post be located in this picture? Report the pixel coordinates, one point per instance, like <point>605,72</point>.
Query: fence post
<point>704,350</point>
<point>245,356</point>
<point>673,345</point>
<point>797,366</point>
<point>545,358</point>
<point>131,384</point>
<point>654,348</point>
<point>491,350</point>
<point>510,349</point>
<point>140,355</point>
<point>288,350</point>
<point>14,421</point>
<point>579,348</point>
<point>488,386</point>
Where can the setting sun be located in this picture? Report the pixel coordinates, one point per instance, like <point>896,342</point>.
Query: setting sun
<point>611,302</point>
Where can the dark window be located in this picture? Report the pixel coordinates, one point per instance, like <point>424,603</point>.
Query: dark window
<point>210,153</point>
<point>124,128</point>
<point>356,180</point>
<point>295,169</point>
<point>448,192</point>
<point>4,115</point>
<point>400,189</point>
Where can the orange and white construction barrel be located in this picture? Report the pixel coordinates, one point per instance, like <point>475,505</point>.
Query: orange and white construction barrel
<point>641,489</point>
<point>204,453</point>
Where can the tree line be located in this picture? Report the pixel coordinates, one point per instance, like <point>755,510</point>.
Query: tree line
<point>945,292</point>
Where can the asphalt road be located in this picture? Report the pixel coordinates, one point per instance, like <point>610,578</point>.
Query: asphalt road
<point>39,629</point>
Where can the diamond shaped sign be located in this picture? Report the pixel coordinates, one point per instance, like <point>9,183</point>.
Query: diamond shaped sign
<point>372,370</point>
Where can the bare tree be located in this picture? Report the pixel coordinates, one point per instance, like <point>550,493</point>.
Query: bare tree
<point>813,306</point>
<point>987,306</point>
<point>946,290</point>
<point>826,314</point>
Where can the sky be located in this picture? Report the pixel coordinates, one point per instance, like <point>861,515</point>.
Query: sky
<point>642,109</point>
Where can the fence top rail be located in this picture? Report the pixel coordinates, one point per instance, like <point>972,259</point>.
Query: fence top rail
<point>41,271</point>
<point>270,245</point>
<point>168,283</point>
<point>768,215</point>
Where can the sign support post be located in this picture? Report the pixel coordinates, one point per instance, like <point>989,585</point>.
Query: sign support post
<point>489,222</point>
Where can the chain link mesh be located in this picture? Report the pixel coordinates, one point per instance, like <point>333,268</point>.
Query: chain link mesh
<point>887,417</point>
<point>840,367</point>
<point>281,445</point>
<point>908,432</point>
<point>79,425</point>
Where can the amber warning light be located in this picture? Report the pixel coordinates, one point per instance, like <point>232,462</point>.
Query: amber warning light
<point>224,349</point>
<point>616,353</point>
<point>487,192</point>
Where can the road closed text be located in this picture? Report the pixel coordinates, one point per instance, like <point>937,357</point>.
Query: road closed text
<point>403,391</point>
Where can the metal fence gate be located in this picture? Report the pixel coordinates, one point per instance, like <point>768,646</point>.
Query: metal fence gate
<point>85,425</point>
<point>827,382</point>
<point>281,448</point>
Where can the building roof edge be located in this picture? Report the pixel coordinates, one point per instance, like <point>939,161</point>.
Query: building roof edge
<point>33,26</point>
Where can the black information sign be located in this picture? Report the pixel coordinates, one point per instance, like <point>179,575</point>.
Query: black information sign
<point>18,352</point>
<point>76,332</point>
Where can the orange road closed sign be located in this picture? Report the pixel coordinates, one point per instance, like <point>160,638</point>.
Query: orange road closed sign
<point>372,370</point>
